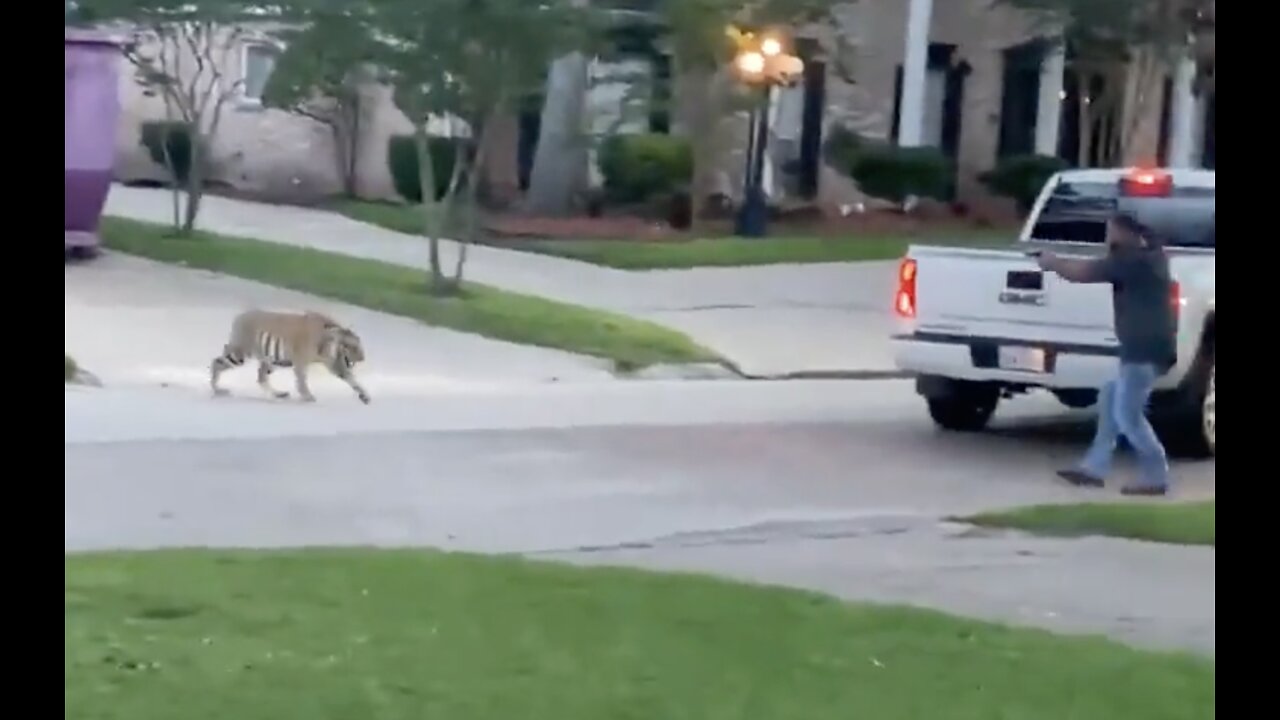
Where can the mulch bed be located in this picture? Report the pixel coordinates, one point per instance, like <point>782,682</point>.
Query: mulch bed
<point>871,223</point>
<point>580,228</point>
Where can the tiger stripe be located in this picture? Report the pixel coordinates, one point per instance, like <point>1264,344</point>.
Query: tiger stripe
<point>296,340</point>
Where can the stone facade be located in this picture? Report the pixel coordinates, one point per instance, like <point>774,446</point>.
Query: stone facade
<point>278,154</point>
<point>268,152</point>
<point>863,48</point>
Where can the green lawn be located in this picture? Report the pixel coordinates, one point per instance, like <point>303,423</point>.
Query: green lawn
<point>401,218</point>
<point>703,252</point>
<point>319,634</point>
<point>483,310</point>
<point>733,251</point>
<point>1183,523</point>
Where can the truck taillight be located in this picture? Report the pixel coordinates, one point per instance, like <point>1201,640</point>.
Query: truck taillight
<point>1175,297</point>
<point>904,301</point>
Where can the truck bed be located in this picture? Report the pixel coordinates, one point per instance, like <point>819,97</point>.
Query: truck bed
<point>1004,294</point>
<point>994,315</point>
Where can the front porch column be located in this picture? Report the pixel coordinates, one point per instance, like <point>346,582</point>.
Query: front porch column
<point>1049,104</point>
<point>1182,117</point>
<point>914,67</point>
<point>766,172</point>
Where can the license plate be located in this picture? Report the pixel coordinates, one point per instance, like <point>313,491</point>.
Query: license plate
<point>1020,357</point>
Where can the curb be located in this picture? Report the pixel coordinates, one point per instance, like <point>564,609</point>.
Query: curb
<point>688,371</point>
<point>836,375</point>
<point>728,371</point>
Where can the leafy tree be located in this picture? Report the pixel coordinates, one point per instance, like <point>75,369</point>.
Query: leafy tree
<point>694,32</point>
<point>180,50</point>
<point>321,75</point>
<point>463,62</point>
<point>702,53</point>
<point>1120,52</point>
<point>559,169</point>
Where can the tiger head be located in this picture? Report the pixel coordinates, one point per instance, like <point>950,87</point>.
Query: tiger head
<point>345,345</point>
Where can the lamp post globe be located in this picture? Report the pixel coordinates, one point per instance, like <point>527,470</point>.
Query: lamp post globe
<point>761,63</point>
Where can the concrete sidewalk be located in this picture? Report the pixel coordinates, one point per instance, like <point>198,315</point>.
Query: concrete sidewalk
<point>770,320</point>
<point>133,322</point>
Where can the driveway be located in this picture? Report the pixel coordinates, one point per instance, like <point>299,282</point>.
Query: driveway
<point>838,486</point>
<point>771,320</point>
<point>135,322</point>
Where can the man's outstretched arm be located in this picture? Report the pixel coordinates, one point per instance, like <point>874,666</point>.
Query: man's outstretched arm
<point>1078,271</point>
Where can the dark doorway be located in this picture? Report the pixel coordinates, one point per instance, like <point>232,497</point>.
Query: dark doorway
<point>953,108</point>
<point>660,99</point>
<point>815,103</point>
<point>1020,98</point>
<point>1166,121</point>
<point>1069,135</point>
<point>941,62</point>
<point>530,121</point>
<point>1209,157</point>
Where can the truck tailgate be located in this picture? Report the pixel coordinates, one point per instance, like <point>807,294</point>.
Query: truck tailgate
<point>1004,294</point>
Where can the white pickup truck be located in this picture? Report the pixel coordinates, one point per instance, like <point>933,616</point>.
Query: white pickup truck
<point>976,326</point>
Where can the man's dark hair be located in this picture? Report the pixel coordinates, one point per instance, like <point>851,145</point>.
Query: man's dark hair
<point>1128,222</point>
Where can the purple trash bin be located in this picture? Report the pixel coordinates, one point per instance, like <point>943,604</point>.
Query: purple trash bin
<point>91,109</point>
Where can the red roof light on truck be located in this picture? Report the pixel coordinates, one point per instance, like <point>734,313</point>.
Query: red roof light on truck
<point>1144,182</point>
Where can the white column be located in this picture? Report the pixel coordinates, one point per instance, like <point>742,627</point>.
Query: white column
<point>1049,107</point>
<point>1182,117</point>
<point>766,172</point>
<point>914,65</point>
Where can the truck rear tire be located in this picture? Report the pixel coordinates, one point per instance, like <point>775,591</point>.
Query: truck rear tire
<point>1190,422</point>
<point>965,409</point>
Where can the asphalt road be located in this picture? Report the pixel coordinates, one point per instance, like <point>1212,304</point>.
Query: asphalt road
<point>837,486</point>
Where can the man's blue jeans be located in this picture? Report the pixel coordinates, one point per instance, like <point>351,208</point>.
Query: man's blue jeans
<point>1122,411</point>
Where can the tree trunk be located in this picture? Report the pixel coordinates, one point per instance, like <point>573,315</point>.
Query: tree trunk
<point>1140,132</point>
<point>560,162</point>
<point>700,99</point>
<point>174,185</point>
<point>346,137</point>
<point>341,156</point>
<point>500,176</point>
<point>1084,124</point>
<point>195,182</point>
<point>426,180</point>
<point>470,198</point>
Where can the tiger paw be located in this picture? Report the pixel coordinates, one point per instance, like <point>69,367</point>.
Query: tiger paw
<point>364,398</point>
<point>281,394</point>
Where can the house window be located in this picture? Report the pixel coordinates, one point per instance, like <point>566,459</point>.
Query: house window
<point>259,61</point>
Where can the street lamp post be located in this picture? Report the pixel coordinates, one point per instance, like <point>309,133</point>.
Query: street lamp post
<point>761,62</point>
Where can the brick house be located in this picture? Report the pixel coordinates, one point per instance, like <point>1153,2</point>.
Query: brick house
<point>974,80</point>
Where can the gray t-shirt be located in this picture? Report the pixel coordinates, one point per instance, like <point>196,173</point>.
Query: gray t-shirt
<point>1141,293</point>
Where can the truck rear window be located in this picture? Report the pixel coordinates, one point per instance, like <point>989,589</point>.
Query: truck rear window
<point>1078,211</point>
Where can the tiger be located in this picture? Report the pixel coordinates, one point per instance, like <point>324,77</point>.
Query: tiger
<point>290,340</point>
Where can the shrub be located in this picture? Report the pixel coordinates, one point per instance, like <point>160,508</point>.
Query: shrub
<point>1021,177</point>
<point>68,368</point>
<point>841,146</point>
<point>176,135</point>
<point>893,173</point>
<point>402,162</point>
<point>637,168</point>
